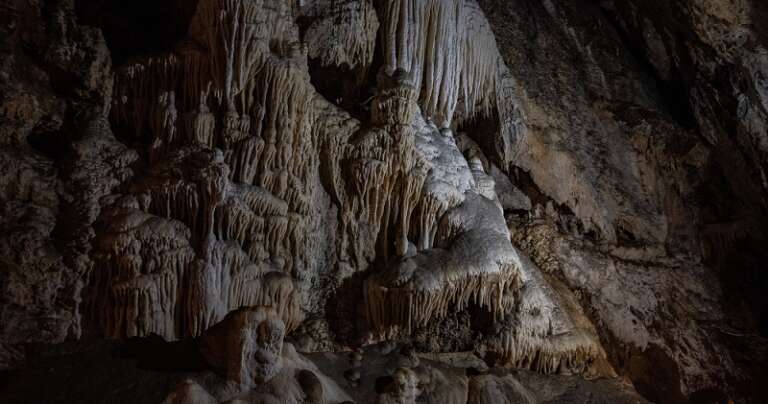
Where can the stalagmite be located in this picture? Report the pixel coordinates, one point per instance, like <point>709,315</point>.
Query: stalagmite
<point>143,87</point>
<point>484,183</point>
<point>164,124</point>
<point>200,124</point>
<point>247,349</point>
<point>233,345</point>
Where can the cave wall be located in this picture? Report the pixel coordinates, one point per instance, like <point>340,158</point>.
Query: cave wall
<point>597,168</point>
<point>647,93</point>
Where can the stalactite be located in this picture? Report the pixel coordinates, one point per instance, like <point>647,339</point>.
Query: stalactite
<point>548,331</point>
<point>139,269</point>
<point>230,280</point>
<point>200,124</point>
<point>344,34</point>
<point>164,125</point>
<point>480,267</point>
<point>410,191</point>
<point>244,160</point>
<point>423,39</point>
<point>569,353</point>
<point>233,155</point>
<point>261,201</point>
<point>140,87</point>
<point>236,34</point>
<point>239,140</point>
<point>236,127</point>
<point>467,76</point>
<point>480,60</point>
<point>430,209</point>
<point>277,227</point>
<point>395,104</point>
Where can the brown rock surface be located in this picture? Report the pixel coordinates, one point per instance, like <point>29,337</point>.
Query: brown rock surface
<point>430,201</point>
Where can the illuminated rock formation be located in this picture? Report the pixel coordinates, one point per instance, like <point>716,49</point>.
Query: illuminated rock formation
<point>236,137</point>
<point>255,365</point>
<point>395,201</point>
<point>234,166</point>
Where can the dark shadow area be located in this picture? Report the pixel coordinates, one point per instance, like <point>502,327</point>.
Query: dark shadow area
<point>52,144</point>
<point>674,90</point>
<point>154,353</point>
<point>350,88</point>
<point>345,310</point>
<point>138,27</point>
<point>383,384</point>
<point>485,131</point>
<point>759,17</point>
<point>6,377</point>
<point>655,375</point>
<point>100,371</point>
<point>343,86</point>
<point>708,396</point>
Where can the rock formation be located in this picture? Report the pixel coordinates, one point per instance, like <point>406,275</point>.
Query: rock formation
<point>392,201</point>
<point>247,350</point>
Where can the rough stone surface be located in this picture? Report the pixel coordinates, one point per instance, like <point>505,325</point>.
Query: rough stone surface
<point>392,201</point>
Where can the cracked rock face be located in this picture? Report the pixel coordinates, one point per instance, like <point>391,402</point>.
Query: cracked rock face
<point>392,201</point>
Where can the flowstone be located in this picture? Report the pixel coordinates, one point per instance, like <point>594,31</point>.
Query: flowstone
<point>242,154</point>
<point>357,186</point>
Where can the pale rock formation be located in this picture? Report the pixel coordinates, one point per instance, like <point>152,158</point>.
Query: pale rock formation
<point>506,390</point>
<point>148,263</point>
<point>629,301</point>
<point>189,392</point>
<point>466,257</point>
<point>343,32</point>
<point>448,49</point>
<point>417,288</point>
<point>140,262</point>
<point>621,147</point>
<point>246,346</point>
<point>245,197</point>
<point>236,168</point>
<point>432,75</point>
<point>549,332</point>
<point>509,196</point>
<point>403,389</point>
<point>247,350</point>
